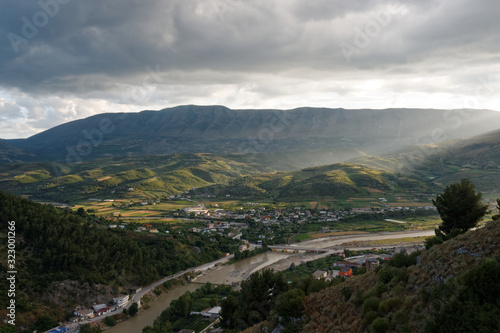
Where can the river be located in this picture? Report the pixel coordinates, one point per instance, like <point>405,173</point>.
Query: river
<point>242,269</point>
<point>228,274</point>
<point>331,242</point>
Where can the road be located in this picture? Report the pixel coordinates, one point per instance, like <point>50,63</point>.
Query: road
<point>395,221</point>
<point>137,297</point>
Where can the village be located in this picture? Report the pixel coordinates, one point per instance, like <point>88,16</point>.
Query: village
<point>253,226</point>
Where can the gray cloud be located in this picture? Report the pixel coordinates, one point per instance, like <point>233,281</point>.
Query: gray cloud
<point>75,58</point>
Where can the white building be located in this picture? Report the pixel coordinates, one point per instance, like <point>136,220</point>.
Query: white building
<point>196,210</point>
<point>121,300</point>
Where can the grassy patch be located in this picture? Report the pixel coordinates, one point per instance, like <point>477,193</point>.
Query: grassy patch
<point>394,241</point>
<point>301,237</point>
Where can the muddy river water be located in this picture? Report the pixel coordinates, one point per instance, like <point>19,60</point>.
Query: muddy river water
<point>228,274</point>
<point>241,270</point>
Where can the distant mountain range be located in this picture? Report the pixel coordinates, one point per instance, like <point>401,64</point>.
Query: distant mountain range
<point>217,149</point>
<point>334,134</point>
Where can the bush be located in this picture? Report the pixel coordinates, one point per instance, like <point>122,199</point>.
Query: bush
<point>387,273</point>
<point>389,305</point>
<point>110,321</point>
<point>45,322</point>
<point>346,292</point>
<point>380,289</point>
<point>369,318</point>
<point>134,308</point>
<point>290,304</point>
<point>400,317</point>
<point>370,304</point>
<point>402,259</point>
<point>431,241</point>
<point>380,325</point>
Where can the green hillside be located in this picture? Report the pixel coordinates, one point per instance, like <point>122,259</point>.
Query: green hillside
<point>113,177</point>
<point>476,158</point>
<point>337,180</point>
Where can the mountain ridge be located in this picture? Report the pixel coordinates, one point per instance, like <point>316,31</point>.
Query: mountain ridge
<point>220,130</point>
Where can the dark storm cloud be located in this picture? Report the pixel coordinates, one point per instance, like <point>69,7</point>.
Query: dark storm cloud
<point>99,51</point>
<point>119,37</point>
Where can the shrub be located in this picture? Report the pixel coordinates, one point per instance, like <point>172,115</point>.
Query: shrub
<point>380,325</point>
<point>110,321</point>
<point>134,308</point>
<point>370,304</point>
<point>346,292</point>
<point>387,273</point>
<point>400,317</point>
<point>369,318</point>
<point>389,305</point>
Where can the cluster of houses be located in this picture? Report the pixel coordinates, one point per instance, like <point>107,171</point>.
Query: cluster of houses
<point>149,228</point>
<point>212,227</point>
<point>370,261</point>
<point>97,310</point>
<point>292,215</point>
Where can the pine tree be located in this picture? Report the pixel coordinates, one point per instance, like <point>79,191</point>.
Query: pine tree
<point>460,208</point>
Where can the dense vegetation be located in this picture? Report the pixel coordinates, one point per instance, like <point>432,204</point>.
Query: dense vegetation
<point>274,297</point>
<point>56,245</point>
<point>177,316</point>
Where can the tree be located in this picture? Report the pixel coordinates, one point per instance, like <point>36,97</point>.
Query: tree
<point>229,306</point>
<point>497,216</point>
<point>134,308</point>
<point>460,208</point>
<point>290,304</point>
<point>110,321</point>
<point>81,211</point>
<point>45,322</point>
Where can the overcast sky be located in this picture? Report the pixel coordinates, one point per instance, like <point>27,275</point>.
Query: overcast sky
<point>62,60</point>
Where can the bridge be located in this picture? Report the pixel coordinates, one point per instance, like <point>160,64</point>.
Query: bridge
<point>297,249</point>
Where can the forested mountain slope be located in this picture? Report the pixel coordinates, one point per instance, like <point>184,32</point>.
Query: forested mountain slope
<point>57,248</point>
